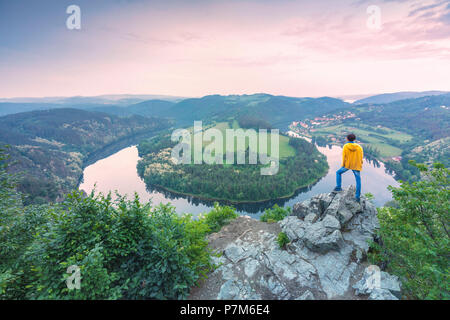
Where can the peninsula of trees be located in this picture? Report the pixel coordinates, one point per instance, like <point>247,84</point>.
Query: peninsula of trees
<point>300,164</point>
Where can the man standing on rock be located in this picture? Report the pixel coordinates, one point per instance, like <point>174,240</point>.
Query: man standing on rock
<point>352,159</point>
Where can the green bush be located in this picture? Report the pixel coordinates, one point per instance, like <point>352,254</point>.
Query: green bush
<point>123,248</point>
<point>276,213</point>
<point>369,196</point>
<point>219,216</point>
<point>282,239</point>
<point>414,238</point>
<point>18,225</point>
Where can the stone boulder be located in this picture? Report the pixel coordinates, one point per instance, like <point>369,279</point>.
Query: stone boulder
<point>325,258</point>
<point>376,283</point>
<point>382,294</point>
<point>321,239</point>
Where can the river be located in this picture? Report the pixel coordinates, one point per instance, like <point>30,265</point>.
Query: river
<point>117,172</point>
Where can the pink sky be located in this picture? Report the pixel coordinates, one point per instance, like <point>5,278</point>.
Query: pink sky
<point>195,48</point>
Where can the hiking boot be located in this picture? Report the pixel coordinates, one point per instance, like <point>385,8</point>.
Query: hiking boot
<point>337,189</point>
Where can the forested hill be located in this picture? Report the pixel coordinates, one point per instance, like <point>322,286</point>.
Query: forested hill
<point>397,132</point>
<point>49,147</point>
<point>279,111</point>
<point>428,117</point>
<point>149,108</point>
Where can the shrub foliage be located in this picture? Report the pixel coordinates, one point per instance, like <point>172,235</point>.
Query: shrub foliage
<point>124,249</point>
<point>414,235</point>
<point>275,213</point>
<point>282,239</point>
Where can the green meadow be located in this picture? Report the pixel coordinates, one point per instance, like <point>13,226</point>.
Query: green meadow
<point>377,139</point>
<point>285,150</point>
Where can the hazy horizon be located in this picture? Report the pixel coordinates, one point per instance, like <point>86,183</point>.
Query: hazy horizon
<point>187,97</point>
<point>344,97</point>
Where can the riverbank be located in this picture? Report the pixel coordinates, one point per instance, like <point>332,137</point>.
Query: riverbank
<point>238,202</point>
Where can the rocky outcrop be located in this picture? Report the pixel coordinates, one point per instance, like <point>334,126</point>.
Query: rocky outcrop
<point>325,258</point>
<point>378,285</point>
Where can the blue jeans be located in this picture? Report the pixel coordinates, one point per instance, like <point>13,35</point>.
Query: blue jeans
<point>357,178</point>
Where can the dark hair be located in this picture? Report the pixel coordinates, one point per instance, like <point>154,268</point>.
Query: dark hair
<point>351,137</point>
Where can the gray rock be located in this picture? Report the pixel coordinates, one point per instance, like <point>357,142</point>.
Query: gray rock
<point>234,253</point>
<point>301,209</point>
<point>318,238</point>
<point>305,273</point>
<point>373,279</point>
<point>391,283</point>
<point>251,265</point>
<point>335,271</point>
<point>306,296</point>
<point>275,287</point>
<point>335,204</point>
<point>328,234</point>
<point>229,290</point>
<point>344,215</point>
<point>382,294</point>
<point>343,206</point>
<point>311,217</point>
<point>238,251</point>
<point>323,201</point>
<point>293,227</point>
<point>358,239</point>
<point>227,272</point>
<point>289,267</point>
<point>235,290</point>
<point>368,281</point>
<point>331,222</point>
<point>359,254</point>
<point>362,227</point>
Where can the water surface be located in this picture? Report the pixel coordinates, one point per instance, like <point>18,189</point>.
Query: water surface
<point>117,172</point>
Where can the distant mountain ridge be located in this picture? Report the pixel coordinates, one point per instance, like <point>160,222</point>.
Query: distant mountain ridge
<point>391,97</point>
<point>278,111</point>
<point>140,108</point>
<point>111,99</point>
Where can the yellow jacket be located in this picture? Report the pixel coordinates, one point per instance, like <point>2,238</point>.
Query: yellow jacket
<point>352,156</point>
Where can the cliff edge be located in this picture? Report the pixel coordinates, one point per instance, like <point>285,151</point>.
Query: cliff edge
<point>325,258</point>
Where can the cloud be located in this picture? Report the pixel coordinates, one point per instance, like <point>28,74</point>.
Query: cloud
<point>428,8</point>
<point>212,46</point>
<point>408,31</point>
